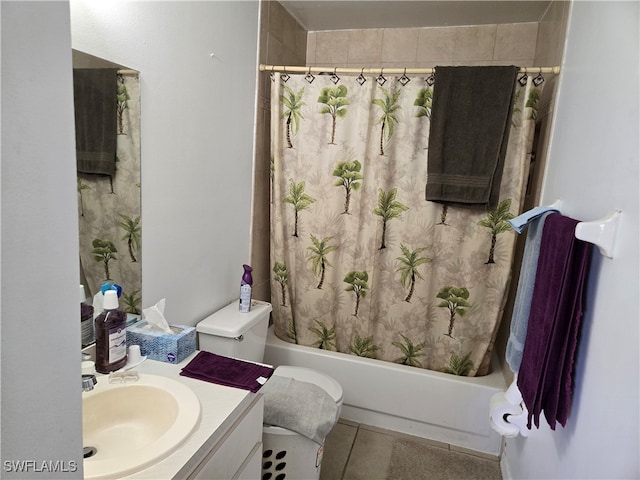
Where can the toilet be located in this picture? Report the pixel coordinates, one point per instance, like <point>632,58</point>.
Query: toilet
<point>243,336</point>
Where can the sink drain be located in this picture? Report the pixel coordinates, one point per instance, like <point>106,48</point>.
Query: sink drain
<point>89,452</point>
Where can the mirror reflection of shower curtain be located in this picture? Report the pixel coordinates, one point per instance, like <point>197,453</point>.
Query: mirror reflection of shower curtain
<point>109,209</point>
<point>361,263</point>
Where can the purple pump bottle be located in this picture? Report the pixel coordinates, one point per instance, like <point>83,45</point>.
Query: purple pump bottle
<point>245,289</point>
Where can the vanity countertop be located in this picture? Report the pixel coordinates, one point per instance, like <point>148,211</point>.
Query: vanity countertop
<point>219,407</point>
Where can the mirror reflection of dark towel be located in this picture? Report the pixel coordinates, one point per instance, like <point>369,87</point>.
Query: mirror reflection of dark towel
<point>94,91</point>
<point>469,132</point>
<point>546,371</point>
<point>227,371</point>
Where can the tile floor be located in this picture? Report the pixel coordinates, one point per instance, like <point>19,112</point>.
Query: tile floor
<point>354,451</point>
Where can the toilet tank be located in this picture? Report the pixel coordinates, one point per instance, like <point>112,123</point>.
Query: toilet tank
<point>232,333</point>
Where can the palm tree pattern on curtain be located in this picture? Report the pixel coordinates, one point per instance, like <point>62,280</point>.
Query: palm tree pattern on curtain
<point>361,263</point>
<point>109,208</point>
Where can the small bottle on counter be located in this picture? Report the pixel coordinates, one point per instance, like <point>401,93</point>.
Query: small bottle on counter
<point>86,319</point>
<point>245,289</point>
<point>111,335</point>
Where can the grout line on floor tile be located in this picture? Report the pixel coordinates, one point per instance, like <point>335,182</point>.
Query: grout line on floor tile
<point>353,442</point>
<point>351,423</point>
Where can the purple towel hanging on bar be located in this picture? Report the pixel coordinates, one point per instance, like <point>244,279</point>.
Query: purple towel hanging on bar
<point>545,376</point>
<point>231,372</point>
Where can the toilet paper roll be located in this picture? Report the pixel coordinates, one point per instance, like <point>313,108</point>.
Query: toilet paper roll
<point>507,430</point>
<point>500,409</point>
<point>520,421</point>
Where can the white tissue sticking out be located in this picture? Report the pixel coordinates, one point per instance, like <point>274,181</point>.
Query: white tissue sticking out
<point>155,318</point>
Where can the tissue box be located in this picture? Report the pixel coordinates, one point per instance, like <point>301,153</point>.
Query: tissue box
<point>165,347</point>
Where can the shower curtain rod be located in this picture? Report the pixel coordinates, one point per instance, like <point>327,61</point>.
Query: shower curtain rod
<point>408,71</point>
<point>128,72</point>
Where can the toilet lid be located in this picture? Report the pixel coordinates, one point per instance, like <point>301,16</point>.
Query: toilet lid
<point>328,384</point>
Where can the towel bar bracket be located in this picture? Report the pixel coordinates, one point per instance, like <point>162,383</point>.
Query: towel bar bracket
<point>601,233</point>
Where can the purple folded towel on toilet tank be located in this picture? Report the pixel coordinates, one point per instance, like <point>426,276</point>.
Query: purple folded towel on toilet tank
<point>228,371</point>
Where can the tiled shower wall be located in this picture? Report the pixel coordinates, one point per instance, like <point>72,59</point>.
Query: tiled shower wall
<point>506,44</point>
<point>549,51</point>
<point>284,42</point>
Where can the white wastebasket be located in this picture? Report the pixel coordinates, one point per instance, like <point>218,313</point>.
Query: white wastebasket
<point>288,455</point>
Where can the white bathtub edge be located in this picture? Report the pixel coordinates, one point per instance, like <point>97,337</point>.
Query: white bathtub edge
<point>433,405</point>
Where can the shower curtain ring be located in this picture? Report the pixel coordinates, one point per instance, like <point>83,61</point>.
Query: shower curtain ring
<point>431,79</point>
<point>309,76</point>
<point>404,79</point>
<point>380,78</point>
<point>285,76</point>
<point>360,79</point>
<point>272,74</point>
<point>538,80</point>
<point>334,77</point>
<point>524,77</point>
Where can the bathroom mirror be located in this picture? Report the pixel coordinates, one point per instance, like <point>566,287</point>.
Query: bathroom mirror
<point>109,206</point>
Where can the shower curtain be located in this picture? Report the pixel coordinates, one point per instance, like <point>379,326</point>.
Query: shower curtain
<point>361,263</point>
<point>109,208</point>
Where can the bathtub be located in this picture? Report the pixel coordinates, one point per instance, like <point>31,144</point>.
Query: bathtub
<point>428,404</point>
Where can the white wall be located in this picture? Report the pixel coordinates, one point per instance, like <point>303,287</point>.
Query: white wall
<point>196,145</point>
<point>594,168</point>
<point>196,136</point>
<point>40,345</point>
<point>197,150</point>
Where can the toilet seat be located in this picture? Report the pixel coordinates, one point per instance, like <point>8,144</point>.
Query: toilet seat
<point>328,384</point>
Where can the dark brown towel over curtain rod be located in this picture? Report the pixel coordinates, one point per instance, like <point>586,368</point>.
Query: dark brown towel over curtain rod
<point>94,92</point>
<point>470,122</point>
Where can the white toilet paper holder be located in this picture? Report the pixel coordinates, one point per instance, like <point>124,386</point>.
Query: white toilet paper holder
<point>520,420</point>
<point>510,424</point>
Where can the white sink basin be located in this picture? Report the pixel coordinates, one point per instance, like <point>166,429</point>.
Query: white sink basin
<point>128,427</point>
